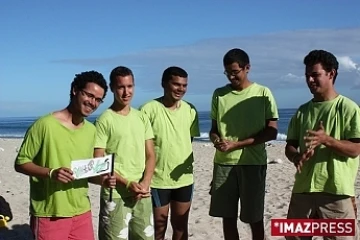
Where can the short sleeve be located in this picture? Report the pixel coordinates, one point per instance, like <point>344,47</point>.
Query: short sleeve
<point>31,144</point>
<point>102,133</point>
<point>293,129</point>
<point>214,106</point>
<point>271,110</point>
<point>194,129</point>
<point>144,109</point>
<point>149,134</point>
<point>352,128</point>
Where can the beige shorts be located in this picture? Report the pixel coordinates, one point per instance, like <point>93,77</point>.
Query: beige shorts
<point>323,206</point>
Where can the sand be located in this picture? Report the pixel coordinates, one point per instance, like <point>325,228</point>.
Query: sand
<point>280,176</point>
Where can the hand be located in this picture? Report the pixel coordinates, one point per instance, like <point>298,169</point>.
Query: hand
<point>146,187</point>
<point>137,188</point>
<point>108,181</point>
<point>64,175</point>
<point>225,145</point>
<point>316,138</point>
<point>300,159</point>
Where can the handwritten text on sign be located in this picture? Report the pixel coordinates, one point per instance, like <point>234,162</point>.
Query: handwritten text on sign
<point>91,167</point>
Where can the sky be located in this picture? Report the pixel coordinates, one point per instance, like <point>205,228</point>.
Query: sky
<point>43,44</point>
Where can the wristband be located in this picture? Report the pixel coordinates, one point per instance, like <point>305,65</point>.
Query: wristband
<point>50,173</point>
<point>128,184</point>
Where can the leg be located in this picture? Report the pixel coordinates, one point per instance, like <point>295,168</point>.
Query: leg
<point>337,207</point>
<point>252,195</point>
<point>161,203</point>
<point>180,209</point>
<point>141,226</point>
<point>114,223</point>
<point>230,229</point>
<point>225,199</point>
<point>301,206</point>
<point>46,228</point>
<point>82,227</point>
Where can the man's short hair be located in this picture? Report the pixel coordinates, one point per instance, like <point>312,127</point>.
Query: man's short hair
<point>236,55</point>
<point>120,71</point>
<point>327,60</point>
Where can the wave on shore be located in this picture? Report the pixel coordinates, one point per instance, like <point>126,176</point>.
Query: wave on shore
<point>204,137</point>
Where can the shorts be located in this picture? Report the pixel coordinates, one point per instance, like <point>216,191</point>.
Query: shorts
<point>232,183</point>
<point>128,219</point>
<point>322,206</point>
<point>60,228</point>
<point>162,197</point>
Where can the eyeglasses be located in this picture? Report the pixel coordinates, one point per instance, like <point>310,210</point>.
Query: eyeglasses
<point>234,73</point>
<point>91,96</point>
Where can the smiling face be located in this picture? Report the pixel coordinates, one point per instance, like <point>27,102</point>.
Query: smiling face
<point>175,88</point>
<point>123,89</point>
<point>318,80</point>
<point>236,75</point>
<point>88,99</point>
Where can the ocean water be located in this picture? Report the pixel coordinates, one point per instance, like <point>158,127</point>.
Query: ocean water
<point>15,127</point>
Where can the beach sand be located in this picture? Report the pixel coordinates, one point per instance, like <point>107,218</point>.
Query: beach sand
<point>280,177</point>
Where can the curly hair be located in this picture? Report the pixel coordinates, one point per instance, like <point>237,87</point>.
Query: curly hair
<point>120,71</point>
<point>81,79</point>
<point>236,55</point>
<point>327,60</point>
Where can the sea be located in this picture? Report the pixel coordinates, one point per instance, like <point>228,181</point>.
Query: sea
<point>15,127</point>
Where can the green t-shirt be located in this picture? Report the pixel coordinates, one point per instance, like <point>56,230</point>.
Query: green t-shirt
<point>50,144</point>
<point>173,130</point>
<point>241,115</point>
<point>125,136</point>
<point>327,171</point>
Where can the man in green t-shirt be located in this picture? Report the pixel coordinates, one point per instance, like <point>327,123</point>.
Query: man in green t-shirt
<point>323,142</point>
<point>175,123</point>
<point>59,205</point>
<point>127,133</point>
<point>244,116</point>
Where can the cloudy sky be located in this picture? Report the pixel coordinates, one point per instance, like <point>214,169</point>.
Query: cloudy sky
<point>44,45</point>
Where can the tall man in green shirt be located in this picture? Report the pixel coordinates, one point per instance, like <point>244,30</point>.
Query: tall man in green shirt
<point>244,116</point>
<point>323,142</point>
<point>126,132</point>
<point>59,205</point>
<point>175,123</point>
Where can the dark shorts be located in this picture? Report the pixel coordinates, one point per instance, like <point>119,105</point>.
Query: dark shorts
<point>240,182</point>
<point>162,197</point>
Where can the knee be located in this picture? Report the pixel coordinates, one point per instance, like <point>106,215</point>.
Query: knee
<point>230,222</point>
<point>179,223</point>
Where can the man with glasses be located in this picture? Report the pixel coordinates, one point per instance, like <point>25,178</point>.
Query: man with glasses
<point>126,132</point>
<point>244,116</point>
<point>59,205</point>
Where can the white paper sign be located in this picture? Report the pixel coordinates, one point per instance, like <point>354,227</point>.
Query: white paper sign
<point>91,167</point>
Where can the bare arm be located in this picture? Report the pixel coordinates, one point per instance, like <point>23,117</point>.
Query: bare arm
<point>150,161</point>
<point>269,133</point>
<point>291,149</point>
<point>347,148</point>
<point>214,132</point>
<point>31,169</point>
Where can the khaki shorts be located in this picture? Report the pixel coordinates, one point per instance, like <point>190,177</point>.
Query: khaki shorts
<point>240,182</point>
<point>323,206</point>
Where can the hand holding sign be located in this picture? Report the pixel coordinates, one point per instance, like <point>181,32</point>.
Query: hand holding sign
<point>62,174</point>
<point>91,167</point>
